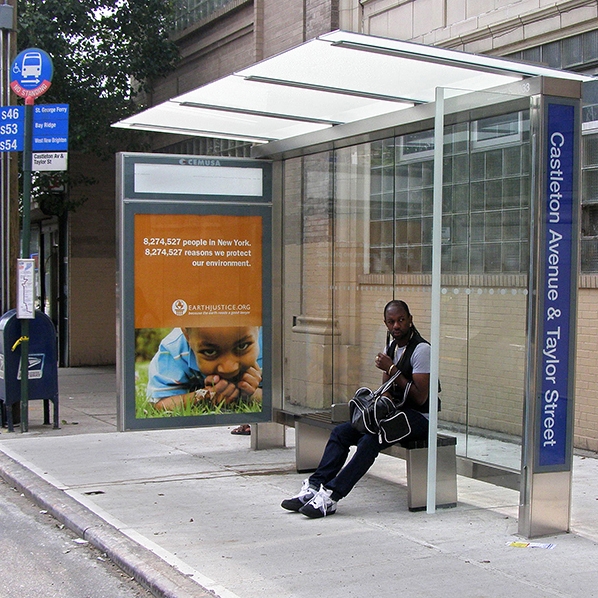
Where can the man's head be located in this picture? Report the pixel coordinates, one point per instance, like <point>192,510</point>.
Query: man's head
<point>399,321</point>
<point>227,352</point>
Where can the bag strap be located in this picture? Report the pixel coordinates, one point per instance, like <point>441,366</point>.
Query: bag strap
<point>387,384</point>
<point>404,363</point>
<point>391,346</point>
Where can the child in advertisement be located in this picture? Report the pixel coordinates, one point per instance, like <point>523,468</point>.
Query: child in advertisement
<point>219,366</point>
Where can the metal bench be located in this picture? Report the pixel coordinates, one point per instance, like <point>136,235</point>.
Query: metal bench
<point>313,430</point>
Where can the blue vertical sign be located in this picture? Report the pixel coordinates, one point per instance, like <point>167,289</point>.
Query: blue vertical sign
<point>555,405</point>
<point>50,128</point>
<point>12,128</point>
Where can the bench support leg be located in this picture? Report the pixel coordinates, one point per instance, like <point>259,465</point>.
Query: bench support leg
<point>446,478</point>
<point>267,435</point>
<point>310,442</point>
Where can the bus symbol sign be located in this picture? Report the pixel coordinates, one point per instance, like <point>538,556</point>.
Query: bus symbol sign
<point>31,73</point>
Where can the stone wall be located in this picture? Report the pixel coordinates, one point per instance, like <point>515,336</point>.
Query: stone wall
<point>92,266</point>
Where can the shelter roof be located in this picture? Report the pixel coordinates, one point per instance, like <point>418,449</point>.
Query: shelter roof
<point>334,79</point>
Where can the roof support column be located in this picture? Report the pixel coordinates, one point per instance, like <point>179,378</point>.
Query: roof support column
<point>435,302</point>
<point>547,454</point>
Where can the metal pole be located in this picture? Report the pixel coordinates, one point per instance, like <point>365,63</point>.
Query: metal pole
<point>6,27</point>
<point>435,301</point>
<point>25,250</point>
<point>3,181</point>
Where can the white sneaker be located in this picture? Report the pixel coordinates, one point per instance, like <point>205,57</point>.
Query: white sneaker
<point>306,493</point>
<point>320,505</point>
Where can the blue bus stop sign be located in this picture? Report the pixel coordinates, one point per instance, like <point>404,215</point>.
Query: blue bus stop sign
<point>12,128</point>
<point>31,73</point>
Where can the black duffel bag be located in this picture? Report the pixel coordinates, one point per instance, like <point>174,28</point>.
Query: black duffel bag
<point>368,408</point>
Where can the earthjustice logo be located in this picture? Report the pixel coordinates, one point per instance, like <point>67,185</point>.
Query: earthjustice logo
<point>179,307</point>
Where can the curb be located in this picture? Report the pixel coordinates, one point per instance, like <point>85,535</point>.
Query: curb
<point>148,569</point>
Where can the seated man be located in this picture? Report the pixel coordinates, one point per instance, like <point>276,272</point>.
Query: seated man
<point>408,352</point>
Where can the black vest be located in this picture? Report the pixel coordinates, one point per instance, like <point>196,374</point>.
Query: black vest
<point>407,369</point>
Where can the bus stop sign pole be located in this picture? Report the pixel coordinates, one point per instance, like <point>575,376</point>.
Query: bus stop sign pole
<point>31,76</point>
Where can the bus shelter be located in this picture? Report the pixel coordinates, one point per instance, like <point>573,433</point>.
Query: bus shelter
<point>445,179</point>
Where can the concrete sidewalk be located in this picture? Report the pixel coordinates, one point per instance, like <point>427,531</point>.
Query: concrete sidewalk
<point>196,512</point>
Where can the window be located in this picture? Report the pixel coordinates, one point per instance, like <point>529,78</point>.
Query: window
<point>589,214</point>
<point>496,130</point>
<point>580,53</point>
<point>416,146</point>
<point>189,12</point>
<point>486,190</point>
<point>207,146</point>
<point>572,53</point>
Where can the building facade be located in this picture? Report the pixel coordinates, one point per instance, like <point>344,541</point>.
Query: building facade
<point>356,223</point>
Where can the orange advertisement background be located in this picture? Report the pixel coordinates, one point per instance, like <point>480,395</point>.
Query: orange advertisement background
<point>167,271</point>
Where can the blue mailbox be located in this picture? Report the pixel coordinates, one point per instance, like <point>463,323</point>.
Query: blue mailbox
<point>43,364</point>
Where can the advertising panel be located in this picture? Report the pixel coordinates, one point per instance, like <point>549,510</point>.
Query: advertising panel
<point>195,292</point>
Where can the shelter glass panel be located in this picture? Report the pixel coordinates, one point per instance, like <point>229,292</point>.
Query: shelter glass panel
<point>485,266</point>
<point>358,233</point>
<point>308,314</point>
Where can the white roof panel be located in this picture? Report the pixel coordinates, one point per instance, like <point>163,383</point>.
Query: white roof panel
<point>334,79</point>
<point>238,93</point>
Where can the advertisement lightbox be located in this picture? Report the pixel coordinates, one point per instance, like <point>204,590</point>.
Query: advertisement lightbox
<point>194,291</point>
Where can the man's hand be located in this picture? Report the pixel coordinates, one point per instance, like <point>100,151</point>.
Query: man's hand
<point>383,362</point>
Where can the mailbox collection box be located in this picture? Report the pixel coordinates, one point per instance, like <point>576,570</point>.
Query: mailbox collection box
<point>43,364</point>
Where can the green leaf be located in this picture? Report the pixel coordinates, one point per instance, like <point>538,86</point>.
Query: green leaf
<point>106,57</point>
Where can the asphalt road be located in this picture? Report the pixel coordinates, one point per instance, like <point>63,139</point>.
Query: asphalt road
<point>40,558</point>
